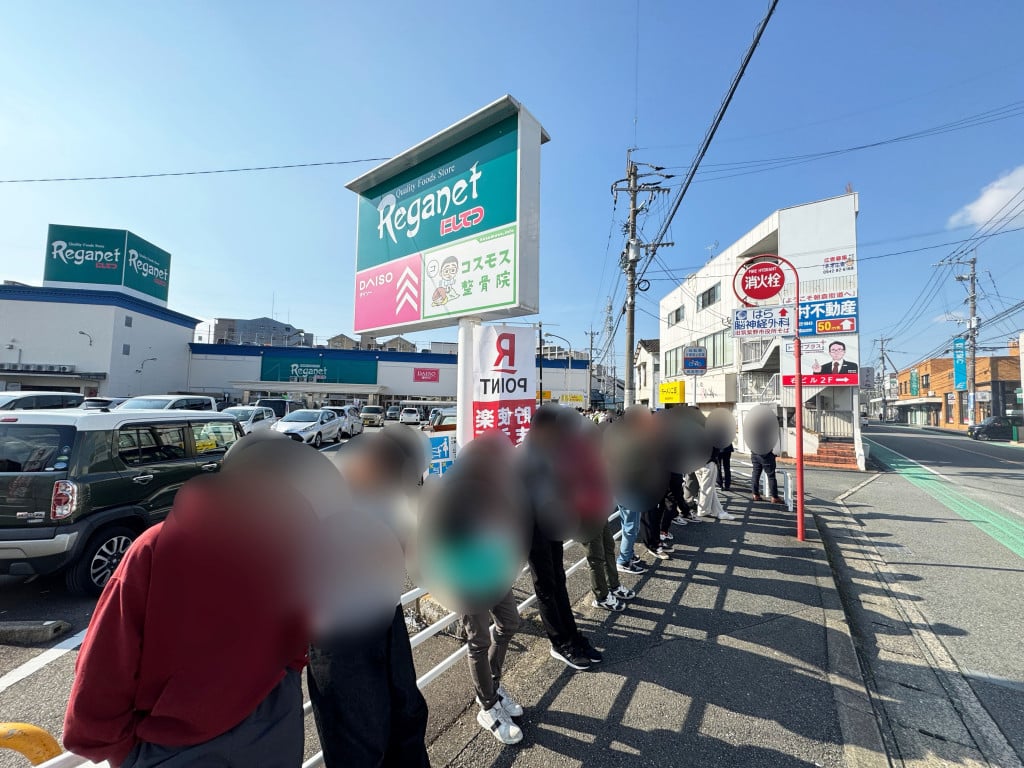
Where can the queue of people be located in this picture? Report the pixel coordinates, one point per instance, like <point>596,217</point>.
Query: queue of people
<point>286,560</point>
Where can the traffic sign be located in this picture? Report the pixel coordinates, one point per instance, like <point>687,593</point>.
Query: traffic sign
<point>695,361</point>
<point>812,313</point>
<point>759,282</point>
<point>762,321</point>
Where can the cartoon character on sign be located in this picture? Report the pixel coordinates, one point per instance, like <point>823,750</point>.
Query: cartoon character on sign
<point>447,272</point>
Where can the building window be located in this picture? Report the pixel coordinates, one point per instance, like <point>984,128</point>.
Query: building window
<point>925,380</point>
<point>676,316</point>
<point>673,362</point>
<point>127,321</point>
<point>126,349</point>
<point>709,297</point>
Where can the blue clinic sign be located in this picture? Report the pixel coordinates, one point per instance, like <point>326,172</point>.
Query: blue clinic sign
<point>960,364</point>
<point>695,361</point>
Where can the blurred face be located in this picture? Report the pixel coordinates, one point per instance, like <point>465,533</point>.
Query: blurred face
<point>837,351</point>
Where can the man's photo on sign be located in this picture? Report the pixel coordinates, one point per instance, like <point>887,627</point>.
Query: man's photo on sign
<point>838,363</point>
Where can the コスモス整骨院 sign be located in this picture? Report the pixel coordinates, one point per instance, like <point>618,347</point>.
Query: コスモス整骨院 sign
<point>450,228</point>
<point>114,259</point>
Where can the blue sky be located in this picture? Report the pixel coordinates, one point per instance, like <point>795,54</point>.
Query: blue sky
<point>117,87</point>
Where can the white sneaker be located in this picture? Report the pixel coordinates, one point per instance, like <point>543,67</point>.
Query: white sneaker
<point>624,594</point>
<point>499,722</point>
<point>679,520</point>
<point>510,705</point>
<point>726,516</point>
<point>610,603</point>
<point>667,536</point>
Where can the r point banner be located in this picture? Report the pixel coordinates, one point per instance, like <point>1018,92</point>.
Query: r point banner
<point>504,380</point>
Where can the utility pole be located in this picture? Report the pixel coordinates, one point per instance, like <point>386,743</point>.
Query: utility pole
<point>885,381</point>
<point>632,257</point>
<point>972,335</point>
<point>540,365</point>
<point>590,368</point>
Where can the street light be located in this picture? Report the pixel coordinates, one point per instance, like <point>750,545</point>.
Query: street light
<point>142,365</point>
<point>569,344</point>
<point>83,333</point>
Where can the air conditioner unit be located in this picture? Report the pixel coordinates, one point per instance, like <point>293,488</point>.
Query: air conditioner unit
<point>51,367</point>
<point>931,393</point>
<point>66,368</point>
<point>8,366</point>
<point>36,367</point>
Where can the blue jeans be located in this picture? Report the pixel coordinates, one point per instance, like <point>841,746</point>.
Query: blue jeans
<point>630,520</point>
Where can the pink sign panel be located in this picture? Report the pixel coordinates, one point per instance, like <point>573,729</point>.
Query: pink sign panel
<point>388,294</point>
<point>426,374</point>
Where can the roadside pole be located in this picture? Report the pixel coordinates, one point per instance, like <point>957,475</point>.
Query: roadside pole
<point>464,385</point>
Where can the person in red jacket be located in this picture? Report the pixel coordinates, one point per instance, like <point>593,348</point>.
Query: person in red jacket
<point>194,651</point>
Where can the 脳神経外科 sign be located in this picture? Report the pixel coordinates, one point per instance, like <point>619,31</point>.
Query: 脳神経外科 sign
<point>114,259</point>
<point>504,380</point>
<point>450,228</point>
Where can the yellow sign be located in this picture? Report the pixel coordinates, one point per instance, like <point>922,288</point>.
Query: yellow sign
<point>572,398</point>
<point>544,396</point>
<point>204,444</point>
<point>672,392</point>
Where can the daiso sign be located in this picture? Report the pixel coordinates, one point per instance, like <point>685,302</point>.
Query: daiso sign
<point>426,375</point>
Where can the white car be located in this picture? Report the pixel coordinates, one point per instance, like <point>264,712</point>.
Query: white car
<point>251,418</point>
<point>351,421</point>
<point>169,402</point>
<point>311,426</point>
<point>409,416</point>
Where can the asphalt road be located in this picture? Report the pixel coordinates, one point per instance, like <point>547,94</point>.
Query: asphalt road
<point>947,518</point>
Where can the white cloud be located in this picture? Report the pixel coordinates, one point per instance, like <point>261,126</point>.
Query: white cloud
<point>992,198</point>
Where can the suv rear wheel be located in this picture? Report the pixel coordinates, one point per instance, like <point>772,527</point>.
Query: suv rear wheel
<point>102,554</point>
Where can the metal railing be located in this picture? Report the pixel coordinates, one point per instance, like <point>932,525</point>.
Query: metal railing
<point>830,423</point>
<point>759,387</point>
<point>69,760</point>
<point>753,351</point>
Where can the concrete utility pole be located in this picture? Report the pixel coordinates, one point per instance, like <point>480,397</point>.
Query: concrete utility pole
<point>590,368</point>
<point>540,366</point>
<point>885,382</point>
<point>972,336</point>
<point>632,257</point>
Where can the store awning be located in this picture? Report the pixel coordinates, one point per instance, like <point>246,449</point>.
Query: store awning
<point>310,386</point>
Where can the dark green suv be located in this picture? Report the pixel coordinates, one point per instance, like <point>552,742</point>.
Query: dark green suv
<point>77,487</point>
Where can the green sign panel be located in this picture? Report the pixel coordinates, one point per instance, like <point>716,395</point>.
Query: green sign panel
<point>915,382</point>
<point>288,366</point>
<point>146,267</point>
<point>466,189</point>
<point>84,255</point>
<point>91,256</point>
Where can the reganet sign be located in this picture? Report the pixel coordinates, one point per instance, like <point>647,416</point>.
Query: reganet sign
<point>450,228</point>
<point>78,257</point>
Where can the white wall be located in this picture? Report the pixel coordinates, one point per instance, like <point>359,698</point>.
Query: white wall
<point>213,373</point>
<point>147,337</point>
<point>398,378</point>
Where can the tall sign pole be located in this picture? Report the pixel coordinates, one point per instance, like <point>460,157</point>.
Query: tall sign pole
<point>758,279</point>
<point>632,257</point>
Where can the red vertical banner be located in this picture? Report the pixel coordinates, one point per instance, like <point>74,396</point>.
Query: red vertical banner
<point>504,380</point>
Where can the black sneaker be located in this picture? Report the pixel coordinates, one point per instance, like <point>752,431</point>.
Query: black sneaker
<point>571,657</point>
<point>589,652</point>
<point>631,568</point>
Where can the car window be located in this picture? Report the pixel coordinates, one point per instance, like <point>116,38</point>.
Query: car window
<point>213,437</point>
<point>141,445</point>
<point>33,448</point>
<point>48,401</point>
<point>24,403</point>
<point>257,416</point>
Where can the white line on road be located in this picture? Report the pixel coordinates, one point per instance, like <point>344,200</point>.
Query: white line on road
<point>36,663</point>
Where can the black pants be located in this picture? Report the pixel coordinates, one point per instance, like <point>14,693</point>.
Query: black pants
<point>764,463</point>
<point>725,470</point>
<point>271,736</point>
<point>547,568</point>
<point>368,711</point>
<point>650,527</point>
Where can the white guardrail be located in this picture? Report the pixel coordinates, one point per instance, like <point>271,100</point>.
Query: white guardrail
<point>69,760</point>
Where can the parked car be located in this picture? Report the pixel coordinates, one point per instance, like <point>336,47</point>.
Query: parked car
<point>77,487</point>
<point>995,428</point>
<point>393,412</point>
<point>252,418</point>
<point>409,416</point>
<point>351,421</point>
<point>280,406</point>
<point>372,415</point>
<point>169,402</point>
<point>442,421</point>
<point>311,425</point>
<point>31,401</point>
<point>95,403</point>
<point>864,420</point>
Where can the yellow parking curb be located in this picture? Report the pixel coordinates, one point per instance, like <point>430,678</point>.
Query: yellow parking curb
<point>31,741</point>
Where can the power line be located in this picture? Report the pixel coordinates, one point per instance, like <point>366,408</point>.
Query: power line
<point>210,172</point>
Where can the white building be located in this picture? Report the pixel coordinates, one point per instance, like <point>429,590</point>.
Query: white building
<point>95,342</point>
<point>647,372</point>
<point>819,240</point>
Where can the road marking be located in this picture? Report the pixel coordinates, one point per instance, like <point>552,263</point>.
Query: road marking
<point>36,663</point>
<point>1005,530</point>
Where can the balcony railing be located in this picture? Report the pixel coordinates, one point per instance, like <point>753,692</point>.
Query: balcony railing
<point>829,423</point>
<point>752,351</point>
<point>759,387</point>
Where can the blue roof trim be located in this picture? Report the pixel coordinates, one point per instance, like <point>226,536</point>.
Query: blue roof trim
<point>96,298</point>
<point>300,353</point>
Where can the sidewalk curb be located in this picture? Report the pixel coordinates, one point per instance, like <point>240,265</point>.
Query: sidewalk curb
<point>31,632</point>
<point>863,746</point>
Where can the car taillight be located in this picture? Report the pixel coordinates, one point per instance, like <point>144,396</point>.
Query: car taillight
<point>63,500</point>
